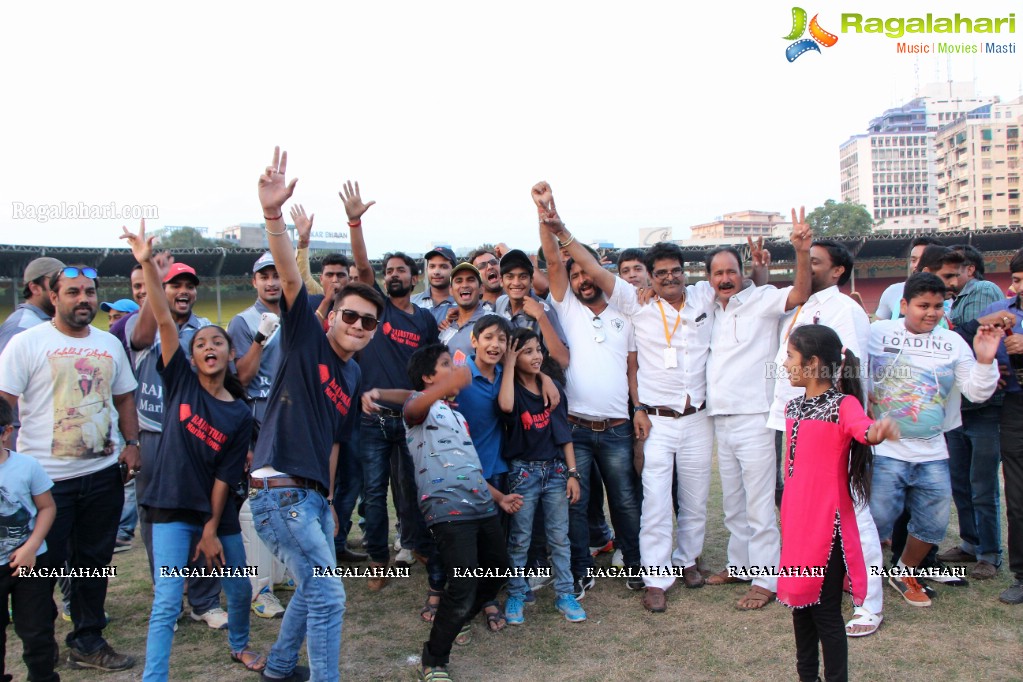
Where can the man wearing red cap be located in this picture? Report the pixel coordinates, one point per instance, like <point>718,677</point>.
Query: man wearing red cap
<point>180,285</point>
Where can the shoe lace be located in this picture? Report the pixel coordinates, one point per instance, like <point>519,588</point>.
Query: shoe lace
<point>912,583</point>
<point>269,598</point>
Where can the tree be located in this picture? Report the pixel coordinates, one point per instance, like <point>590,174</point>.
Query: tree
<point>188,238</point>
<point>835,219</point>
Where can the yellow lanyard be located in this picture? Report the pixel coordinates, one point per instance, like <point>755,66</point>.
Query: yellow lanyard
<point>664,318</point>
<point>792,323</point>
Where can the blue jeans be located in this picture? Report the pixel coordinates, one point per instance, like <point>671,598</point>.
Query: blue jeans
<point>297,526</point>
<point>129,513</point>
<point>540,483</point>
<point>171,549</point>
<point>921,487</point>
<point>611,451</point>
<point>349,487</point>
<point>383,440</point>
<point>973,459</point>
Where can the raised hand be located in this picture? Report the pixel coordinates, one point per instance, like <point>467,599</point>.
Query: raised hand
<point>985,343</point>
<point>141,246</point>
<point>802,235</point>
<point>303,223</point>
<point>760,256</point>
<point>273,191</point>
<point>352,198</point>
<point>543,196</point>
<point>162,262</point>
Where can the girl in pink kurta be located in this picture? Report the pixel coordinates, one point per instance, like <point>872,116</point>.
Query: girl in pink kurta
<point>823,470</point>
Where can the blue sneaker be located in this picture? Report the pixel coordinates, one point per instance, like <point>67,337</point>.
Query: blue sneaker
<point>569,606</point>
<point>513,611</point>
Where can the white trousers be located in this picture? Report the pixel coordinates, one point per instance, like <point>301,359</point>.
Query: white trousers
<point>746,462</point>
<point>269,570</point>
<point>684,444</point>
<point>870,543</point>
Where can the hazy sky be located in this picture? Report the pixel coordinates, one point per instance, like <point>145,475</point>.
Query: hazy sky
<point>645,114</point>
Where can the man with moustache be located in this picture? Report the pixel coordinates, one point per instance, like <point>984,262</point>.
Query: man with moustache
<point>72,384</point>
<point>36,308</point>
<point>466,284</point>
<point>437,296</point>
<point>739,396</point>
<point>598,402</point>
<point>138,294</point>
<point>404,327</point>
<point>253,332</point>
<point>888,305</point>
<point>489,267</point>
<point>180,286</point>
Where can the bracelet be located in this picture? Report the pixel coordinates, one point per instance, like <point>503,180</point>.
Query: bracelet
<point>355,223</point>
<point>276,234</point>
<point>564,244</point>
<point>279,216</point>
<point>319,314</point>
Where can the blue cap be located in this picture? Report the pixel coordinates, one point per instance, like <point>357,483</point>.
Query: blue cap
<point>265,261</point>
<point>122,305</point>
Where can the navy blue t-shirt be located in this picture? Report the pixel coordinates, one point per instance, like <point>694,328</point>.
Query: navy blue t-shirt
<point>384,361</point>
<point>204,438</point>
<point>313,400</point>
<point>535,432</point>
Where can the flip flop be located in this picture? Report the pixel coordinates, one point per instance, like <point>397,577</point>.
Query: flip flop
<point>863,617</point>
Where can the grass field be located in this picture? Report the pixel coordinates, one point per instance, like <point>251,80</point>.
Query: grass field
<point>966,635</point>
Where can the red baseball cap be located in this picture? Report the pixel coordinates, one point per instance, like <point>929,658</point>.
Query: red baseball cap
<point>181,270</point>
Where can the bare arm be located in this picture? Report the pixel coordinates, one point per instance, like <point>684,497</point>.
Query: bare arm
<point>556,274</point>
<point>209,544</point>
<point>142,249</point>
<point>273,192</point>
<point>801,239</point>
<point>248,364</point>
<point>417,408</point>
<point>397,396</point>
<point>544,199</point>
<point>506,395</point>
<point>354,208</point>
<point>303,228</point>
<point>128,424</point>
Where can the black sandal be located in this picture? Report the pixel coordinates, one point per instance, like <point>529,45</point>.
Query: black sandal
<point>430,608</point>
<point>495,620</point>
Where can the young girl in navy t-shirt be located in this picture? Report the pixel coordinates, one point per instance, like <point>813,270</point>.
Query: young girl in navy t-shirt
<point>200,459</point>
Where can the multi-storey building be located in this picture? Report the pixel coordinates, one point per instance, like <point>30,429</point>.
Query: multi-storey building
<point>733,228</point>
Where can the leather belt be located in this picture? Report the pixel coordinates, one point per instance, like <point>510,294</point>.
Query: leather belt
<point>286,482</point>
<point>602,425</point>
<point>675,414</point>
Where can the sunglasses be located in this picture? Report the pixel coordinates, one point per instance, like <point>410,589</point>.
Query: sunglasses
<point>598,330</point>
<point>72,272</point>
<point>369,323</point>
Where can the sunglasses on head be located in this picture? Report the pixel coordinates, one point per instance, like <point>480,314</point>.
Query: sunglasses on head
<point>72,272</point>
<point>369,323</point>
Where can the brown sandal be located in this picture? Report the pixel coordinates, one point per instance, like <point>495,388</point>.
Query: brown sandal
<point>250,659</point>
<point>756,598</point>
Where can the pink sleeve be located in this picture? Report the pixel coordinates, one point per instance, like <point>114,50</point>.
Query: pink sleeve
<point>853,420</point>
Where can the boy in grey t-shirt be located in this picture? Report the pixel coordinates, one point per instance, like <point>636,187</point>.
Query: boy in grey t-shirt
<point>455,500</point>
<point>27,512</point>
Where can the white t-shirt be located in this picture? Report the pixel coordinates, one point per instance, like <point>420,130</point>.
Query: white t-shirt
<point>916,380</point>
<point>66,387</point>
<point>828,307</point>
<point>890,303</point>
<point>744,340</point>
<point>597,380</point>
<point>690,343</point>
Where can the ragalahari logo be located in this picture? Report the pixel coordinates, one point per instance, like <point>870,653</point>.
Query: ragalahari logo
<point>817,35</point>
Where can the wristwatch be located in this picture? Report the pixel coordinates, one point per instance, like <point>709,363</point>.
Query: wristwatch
<point>639,408</point>
<point>132,441</point>
<point>574,474</point>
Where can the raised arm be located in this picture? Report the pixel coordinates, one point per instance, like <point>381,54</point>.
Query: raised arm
<point>417,408</point>
<point>143,334</point>
<point>304,228</point>
<point>273,192</point>
<point>801,239</point>
<point>556,275</point>
<point>544,200</point>
<point>506,395</point>
<point>142,249</point>
<point>354,208</point>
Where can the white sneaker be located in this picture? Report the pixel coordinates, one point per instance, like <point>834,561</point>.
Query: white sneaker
<point>404,558</point>
<point>617,560</point>
<point>267,605</point>
<point>397,544</point>
<point>215,618</point>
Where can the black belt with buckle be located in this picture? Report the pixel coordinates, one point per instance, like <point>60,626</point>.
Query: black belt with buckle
<point>675,414</point>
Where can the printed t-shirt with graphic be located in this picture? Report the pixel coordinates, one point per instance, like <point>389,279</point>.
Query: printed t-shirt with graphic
<point>149,397</point>
<point>242,331</point>
<point>449,477</point>
<point>21,477</point>
<point>385,359</point>
<point>916,380</point>
<point>313,401</point>
<point>67,386</point>
<point>205,439</point>
<point>535,431</point>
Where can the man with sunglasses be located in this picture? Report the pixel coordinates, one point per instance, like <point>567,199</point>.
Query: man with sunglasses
<point>180,286</point>
<point>405,327</point>
<point>489,267</point>
<point>672,342</point>
<point>73,385</point>
<point>311,410</point>
<point>600,337</point>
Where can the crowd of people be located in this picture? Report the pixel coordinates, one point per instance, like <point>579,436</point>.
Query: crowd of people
<point>501,406</point>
